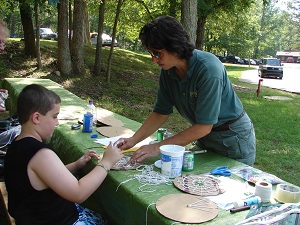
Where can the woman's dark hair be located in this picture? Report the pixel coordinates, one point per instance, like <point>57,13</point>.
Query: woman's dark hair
<point>165,32</point>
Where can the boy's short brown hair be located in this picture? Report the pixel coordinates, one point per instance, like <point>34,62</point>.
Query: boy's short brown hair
<point>35,98</point>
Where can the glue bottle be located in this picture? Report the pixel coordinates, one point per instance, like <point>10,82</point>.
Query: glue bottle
<point>248,201</point>
<point>90,108</point>
<point>88,118</point>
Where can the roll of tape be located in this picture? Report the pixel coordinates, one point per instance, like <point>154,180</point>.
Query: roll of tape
<point>263,189</point>
<point>286,193</point>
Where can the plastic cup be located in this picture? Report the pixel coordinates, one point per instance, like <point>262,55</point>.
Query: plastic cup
<point>171,160</point>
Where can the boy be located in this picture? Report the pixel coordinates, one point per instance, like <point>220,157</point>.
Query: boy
<point>41,189</point>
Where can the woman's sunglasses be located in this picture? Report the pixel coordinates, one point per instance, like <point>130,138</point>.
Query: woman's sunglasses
<point>155,54</point>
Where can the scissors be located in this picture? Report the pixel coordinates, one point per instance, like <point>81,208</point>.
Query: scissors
<point>221,170</point>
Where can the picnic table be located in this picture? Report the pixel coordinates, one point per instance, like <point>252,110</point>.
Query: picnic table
<point>119,198</point>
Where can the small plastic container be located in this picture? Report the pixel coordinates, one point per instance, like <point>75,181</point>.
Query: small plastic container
<point>246,202</point>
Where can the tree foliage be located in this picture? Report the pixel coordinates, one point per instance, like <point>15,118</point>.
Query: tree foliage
<point>247,28</point>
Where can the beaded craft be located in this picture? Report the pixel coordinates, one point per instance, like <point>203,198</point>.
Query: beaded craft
<point>199,185</point>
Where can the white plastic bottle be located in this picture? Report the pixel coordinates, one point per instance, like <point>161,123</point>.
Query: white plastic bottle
<point>90,108</point>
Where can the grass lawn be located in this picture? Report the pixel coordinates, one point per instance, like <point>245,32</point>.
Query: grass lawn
<point>132,92</point>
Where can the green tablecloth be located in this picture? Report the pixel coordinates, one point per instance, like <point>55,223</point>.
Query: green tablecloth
<point>127,205</point>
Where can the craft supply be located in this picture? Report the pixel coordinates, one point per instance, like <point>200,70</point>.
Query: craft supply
<point>187,208</point>
<point>198,185</point>
<point>171,160</point>
<point>221,170</point>
<point>188,161</point>
<point>248,201</point>
<point>200,151</point>
<point>234,210</point>
<point>274,215</point>
<point>124,151</point>
<point>160,133</point>
<point>148,177</point>
<point>75,126</point>
<point>125,164</point>
<point>91,108</point>
<point>87,123</point>
<point>263,189</point>
<point>94,135</point>
<point>254,175</point>
<point>114,131</point>
<point>107,120</point>
<point>286,193</point>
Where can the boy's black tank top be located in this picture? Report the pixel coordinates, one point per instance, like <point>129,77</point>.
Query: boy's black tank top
<point>25,204</point>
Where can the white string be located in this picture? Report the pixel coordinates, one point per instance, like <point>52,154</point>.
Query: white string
<point>125,164</point>
<point>147,212</point>
<point>148,177</point>
<point>125,181</point>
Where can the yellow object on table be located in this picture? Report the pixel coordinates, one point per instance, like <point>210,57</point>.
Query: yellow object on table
<point>124,151</point>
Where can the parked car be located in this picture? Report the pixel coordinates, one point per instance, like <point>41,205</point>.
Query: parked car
<point>270,67</point>
<point>289,60</point>
<point>106,39</point>
<point>234,59</point>
<point>48,34</point>
<point>221,58</point>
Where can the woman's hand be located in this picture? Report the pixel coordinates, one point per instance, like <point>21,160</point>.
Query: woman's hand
<point>124,143</point>
<point>144,152</point>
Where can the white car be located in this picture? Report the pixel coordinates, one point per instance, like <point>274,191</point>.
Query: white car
<point>106,39</point>
<point>48,34</point>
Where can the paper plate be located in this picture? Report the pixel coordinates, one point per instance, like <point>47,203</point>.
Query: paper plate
<point>187,208</point>
<point>114,131</point>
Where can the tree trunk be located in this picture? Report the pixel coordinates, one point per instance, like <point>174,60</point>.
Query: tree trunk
<point>189,18</point>
<point>261,28</point>
<point>77,40</point>
<point>200,32</point>
<point>97,66</point>
<point>70,23</point>
<point>120,2</point>
<point>37,35</point>
<point>87,39</point>
<point>27,24</point>
<point>64,56</point>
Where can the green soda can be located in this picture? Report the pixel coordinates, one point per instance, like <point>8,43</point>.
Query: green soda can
<point>188,161</point>
<point>160,134</point>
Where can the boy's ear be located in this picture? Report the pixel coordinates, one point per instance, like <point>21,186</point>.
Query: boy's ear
<point>36,118</point>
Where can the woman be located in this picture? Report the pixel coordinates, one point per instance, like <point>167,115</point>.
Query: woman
<point>197,85</point>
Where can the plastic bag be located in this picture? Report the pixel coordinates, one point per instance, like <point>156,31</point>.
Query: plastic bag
<point>8,136</point>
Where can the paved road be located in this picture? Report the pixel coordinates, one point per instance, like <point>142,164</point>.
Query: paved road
<point>290,81</point>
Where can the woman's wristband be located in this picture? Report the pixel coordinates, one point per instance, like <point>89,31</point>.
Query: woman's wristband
<point>103,166</point>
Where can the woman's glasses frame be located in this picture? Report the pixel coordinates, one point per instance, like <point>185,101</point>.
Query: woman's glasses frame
<point>155,54</point>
